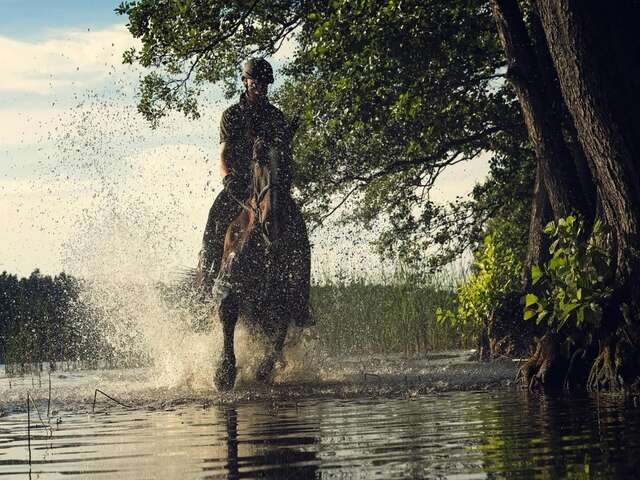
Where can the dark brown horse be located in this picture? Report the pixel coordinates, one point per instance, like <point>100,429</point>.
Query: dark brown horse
<point>265,273</point>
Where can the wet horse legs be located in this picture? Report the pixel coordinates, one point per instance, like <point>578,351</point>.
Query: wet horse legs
<point>225,376</point>
<point>276,337</point>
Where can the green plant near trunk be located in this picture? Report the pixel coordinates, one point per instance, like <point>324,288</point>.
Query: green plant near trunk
<point>571,287</point>
<point>495,277</point>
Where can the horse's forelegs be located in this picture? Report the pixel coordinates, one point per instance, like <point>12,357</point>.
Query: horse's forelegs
<point>225,376</point>
<point>277,338</point>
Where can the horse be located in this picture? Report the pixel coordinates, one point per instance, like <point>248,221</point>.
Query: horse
<point>264,277</point>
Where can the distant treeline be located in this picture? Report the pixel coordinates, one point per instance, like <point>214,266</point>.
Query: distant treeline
<point>43,319</point>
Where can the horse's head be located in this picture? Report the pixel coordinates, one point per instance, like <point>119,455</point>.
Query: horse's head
<point>271,182</point>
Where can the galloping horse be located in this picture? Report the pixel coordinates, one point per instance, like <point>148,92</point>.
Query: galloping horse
<point>265,273</point>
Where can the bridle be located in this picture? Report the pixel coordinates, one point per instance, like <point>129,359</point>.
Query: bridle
<point>258,196</point>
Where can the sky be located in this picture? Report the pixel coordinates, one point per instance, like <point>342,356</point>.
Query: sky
<point>86,186</point>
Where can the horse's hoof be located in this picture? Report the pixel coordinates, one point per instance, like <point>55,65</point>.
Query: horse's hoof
<point>225,376</point>
<point>265,370</point>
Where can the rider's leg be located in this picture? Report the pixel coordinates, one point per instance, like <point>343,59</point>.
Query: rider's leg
<point>222,212</point>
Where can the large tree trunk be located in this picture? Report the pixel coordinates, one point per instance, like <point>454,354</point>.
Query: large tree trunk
<point>537,254</point>
<point>557,189</point>
<point>596,57</point>
<point>538,246</point>
<point>558,109</point>
<point>585,168</point>
<point>533,85</point>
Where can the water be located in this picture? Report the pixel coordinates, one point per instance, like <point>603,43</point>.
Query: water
<point>340,427</point>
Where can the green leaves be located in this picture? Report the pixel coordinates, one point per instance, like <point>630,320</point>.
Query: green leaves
<point>536,274</point>
<point>572,285</point>
<point>390,94</point>
<point>495,278</point>
<point>530,299</point>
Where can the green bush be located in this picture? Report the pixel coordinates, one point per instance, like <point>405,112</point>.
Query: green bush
<point>495,277</point>
<point>572,286</point>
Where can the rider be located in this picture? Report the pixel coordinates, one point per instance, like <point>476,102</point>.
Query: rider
<point>253,116</point>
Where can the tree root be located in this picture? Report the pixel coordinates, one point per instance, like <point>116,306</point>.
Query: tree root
<point>547,368</point>
<point>610,365</point>
<point>578,369</point>
<point>616,366</point>
<point>603,372</point>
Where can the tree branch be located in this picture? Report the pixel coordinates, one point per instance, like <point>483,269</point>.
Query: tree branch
<point>334,209</point>
<point>397,167</point>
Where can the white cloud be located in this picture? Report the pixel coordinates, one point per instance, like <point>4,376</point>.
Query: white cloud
<point>36,217</point>
<point>146,223</point>
<point>73,57</point>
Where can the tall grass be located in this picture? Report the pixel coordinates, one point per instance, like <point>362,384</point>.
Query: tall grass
<point>383,313</point>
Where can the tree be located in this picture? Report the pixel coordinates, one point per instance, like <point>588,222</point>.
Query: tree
<point>389,94</point>
<point>42,318</point>
<point>594,55</point>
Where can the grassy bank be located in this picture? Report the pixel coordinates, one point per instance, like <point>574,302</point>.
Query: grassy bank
<point>388,315</point>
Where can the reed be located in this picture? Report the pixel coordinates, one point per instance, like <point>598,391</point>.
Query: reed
<point>95,397</point>
<point>29,426</point>
<point>49,398</point>
<point>383,313</point>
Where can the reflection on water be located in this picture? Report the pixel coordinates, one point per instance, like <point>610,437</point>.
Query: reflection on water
<point>464,435</point>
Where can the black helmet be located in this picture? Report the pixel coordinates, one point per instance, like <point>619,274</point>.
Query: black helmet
<point>257,69</point>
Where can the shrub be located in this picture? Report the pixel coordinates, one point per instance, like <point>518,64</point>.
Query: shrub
<point>494,278</point>
<point>572,285</point>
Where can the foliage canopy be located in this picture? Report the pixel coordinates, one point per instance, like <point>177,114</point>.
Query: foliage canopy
<point>389,94</point>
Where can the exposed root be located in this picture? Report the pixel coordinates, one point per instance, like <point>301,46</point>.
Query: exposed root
<point>547,368</point>
<point>578,369</point>
<point>613,364</point>
<point>614,367</point>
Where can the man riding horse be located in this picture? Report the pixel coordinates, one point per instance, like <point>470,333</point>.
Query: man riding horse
<point>252,117</point>
<point>240,125</point>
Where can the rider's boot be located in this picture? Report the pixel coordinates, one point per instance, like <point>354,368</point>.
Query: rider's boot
<point>224,209</point>
<point>208,268</point>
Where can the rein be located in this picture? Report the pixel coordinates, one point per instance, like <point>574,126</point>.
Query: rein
<point>256,210</point>
<point>257,196</point>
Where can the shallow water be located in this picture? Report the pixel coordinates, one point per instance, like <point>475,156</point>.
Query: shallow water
<point>344,428</point>
<point>456,435</point>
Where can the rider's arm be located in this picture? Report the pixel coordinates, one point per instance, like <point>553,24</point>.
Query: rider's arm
<point>225,159</point>
<point>228,172</point>
<point>228,138</point>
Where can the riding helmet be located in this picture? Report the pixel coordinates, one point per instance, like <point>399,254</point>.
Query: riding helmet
<point>257,69</point>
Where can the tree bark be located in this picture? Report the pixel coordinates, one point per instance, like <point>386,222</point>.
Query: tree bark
<point>538,246</point>
<point>558,109</point>
<point>597,59</point>
<point>585,168</point>
<point>592,48</point>
<point>532,86</point>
